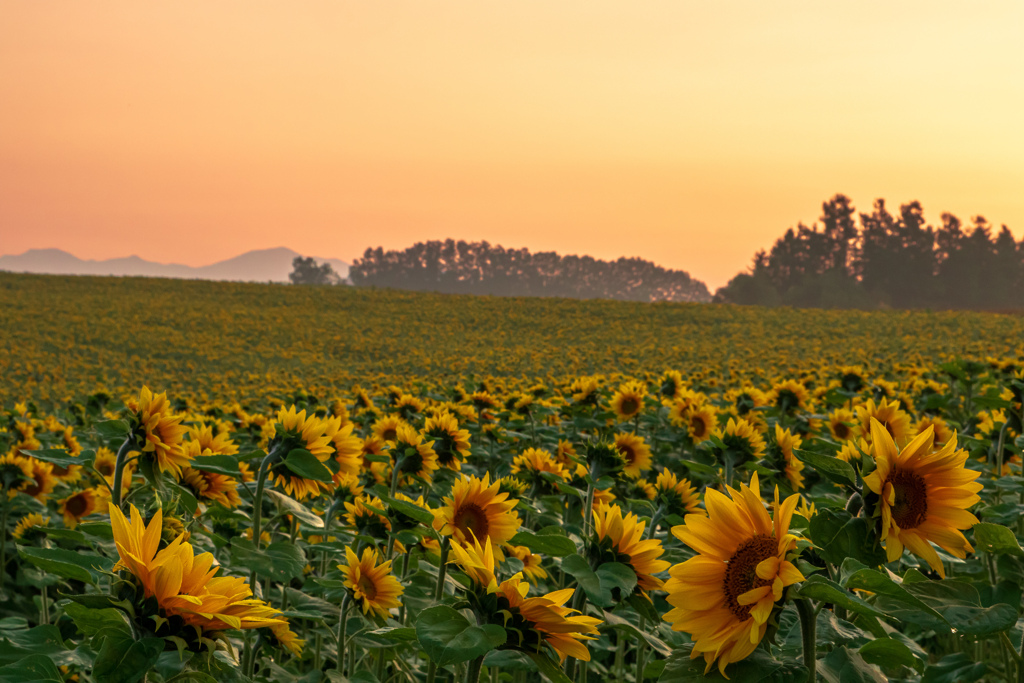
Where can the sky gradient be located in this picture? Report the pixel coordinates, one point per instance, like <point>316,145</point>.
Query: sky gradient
<point>687,133</point>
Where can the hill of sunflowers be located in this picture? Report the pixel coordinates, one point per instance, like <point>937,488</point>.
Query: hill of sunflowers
<point>207,482</point>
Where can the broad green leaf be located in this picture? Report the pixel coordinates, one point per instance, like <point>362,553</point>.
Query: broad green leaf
<point>294,507</point>
<point>401,634</point>
<point>843,665</point>
<point>34,668</point>
<point>614,621</point>
<point>411,510</point>
<point>889,654</point>
<point>819,588</point>
<point>832,467</point>
<point>577,567</point>
<point>91,621</point>
<point>549,668</point>
<point>956,668</point>
<point>120,659</point>
<point>280,561</point>
<point>509,660</point>
<point>838,536</point>
<point>67,563</point>
<point>448,637</point>
<point>40,640</point>
<point>60,456</point>
<point>192,677</point>
<point>617,579</point>
<point>218,464</point>
<point>996,539</point>
<point>547,544</point>
<point>112,429</point>
<point>759,667</point>
<point>306,465</point>
<point>880,584</point>
<point>981,621</point>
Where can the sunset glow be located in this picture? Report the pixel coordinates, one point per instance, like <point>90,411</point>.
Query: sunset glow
<point>687,133</point>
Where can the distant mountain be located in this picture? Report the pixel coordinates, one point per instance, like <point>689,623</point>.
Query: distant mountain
<point>260,265</point>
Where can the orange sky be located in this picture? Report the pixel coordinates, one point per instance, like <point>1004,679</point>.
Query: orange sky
<point>690,133</point>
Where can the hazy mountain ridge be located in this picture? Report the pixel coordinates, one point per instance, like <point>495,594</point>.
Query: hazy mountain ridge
<point>259,265</point>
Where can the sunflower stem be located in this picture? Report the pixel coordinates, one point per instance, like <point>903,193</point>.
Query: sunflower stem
<point>620,658</point>
<point>342,625</point>
<point>999,460</point>
<point>473,672</point>
<point>442,568</point>
<point>655,520</point>
<point>44,609</point>
<point>119,465</point>
<point>257,502</point>
<point>727,469</point>
<point>807,625</point>
<point>1020,663</point>
<point>640,643</point>
<point>588,509</point>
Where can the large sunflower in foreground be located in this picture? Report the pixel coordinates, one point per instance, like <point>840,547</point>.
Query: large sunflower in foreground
<point>476,509</point>
<point>923,496</point>
<point>622,540</point>
<point>537,620</point>
<point>183,583</point>
<point>724,595</point>
<point>371,583</point>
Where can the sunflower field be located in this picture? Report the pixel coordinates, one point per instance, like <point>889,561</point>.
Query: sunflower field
<point>207,482</point>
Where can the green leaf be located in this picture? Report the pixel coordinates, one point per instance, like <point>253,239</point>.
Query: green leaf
<point>577,567</point>
<point>401,634</point>
<point>876,582</point>
<point>889,653</point>
<point>306,465</point>
<point>294,507</point>
<point>448,637</point>
<point>549,668</point>
<point>112,429</point>
<point>370,457</point>
<point>837,536</point>
<point>509,660</point>
<point>617,579</point>
<point>614,621</point>
<point>996,539</point>
<point>981,621</point>
<point>40,640</point>
<point>280,561</point>
<point>35,668</point>
<point>958,668</point>
<point>66,563</point>
<point>832,467</point>
<point>842,665</point>
<point>411,510</point>
<point>120,659</point>
<point>60,456</point>
<point>91,621</point>
<point>218,464</point>
<point>192,677</point>
<point>547,544</point>
<point>819,588</point>
<point>759,667</point>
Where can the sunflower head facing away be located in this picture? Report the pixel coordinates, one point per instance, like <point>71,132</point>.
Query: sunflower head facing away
<point>724,595</point>
<point>621,539</point>
<point>161,431</point>
<point>923,496</point>
<point>743,442</point>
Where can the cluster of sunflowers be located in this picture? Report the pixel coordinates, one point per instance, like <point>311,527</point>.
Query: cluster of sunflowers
<point>839,525</point>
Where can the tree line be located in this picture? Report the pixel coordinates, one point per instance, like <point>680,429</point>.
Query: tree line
<point>459,267</point>
<point>885,259</point>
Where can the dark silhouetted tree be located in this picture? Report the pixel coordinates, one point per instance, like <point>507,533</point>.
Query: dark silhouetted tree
<point>305,271</point>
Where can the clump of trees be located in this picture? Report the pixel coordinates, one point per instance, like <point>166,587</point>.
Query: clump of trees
<point>306,271</point>
<point>885,259</point>
<point>481,268</point>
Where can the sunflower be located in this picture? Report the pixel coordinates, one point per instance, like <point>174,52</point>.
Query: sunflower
<point>852,450</point>
<point>621,539</point>
<point>895,421</point>
<point>408,406</point>
<point>287,638</point>
<point>387,427</point>
<point>942,431</point>
<point>678,496</point>
<point>923,496</point>
<point>367,521</point>
<point>531,562</point>
<point>566,456</point>
<point>529,464</point>
<point>536,620</point>
<point>370,582</point>
<point>785,443</point>
<point>309,433</point>
<point>450,443</point>
<point>212,486</point>
<point>183,583</point>
<point>477,510</point>
<point>788,395</point>
<point>210,443</point>
<point>843,425</point>
<point>27,523</point>
<point>670,385</point>
<point>628,401</point>
<point>724,595</point>
<point>161,430</point>
<point>700,421</point>
<point>41,479</point>
<point>584,390</point>
<point>637,454</point>
<point>15,472</point>
<point>78,505</point>
<point>348,448</point>
<point>412,454</point>
<point>742,440</point>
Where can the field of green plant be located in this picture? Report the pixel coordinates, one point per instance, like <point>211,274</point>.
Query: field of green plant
<point>233,482</point>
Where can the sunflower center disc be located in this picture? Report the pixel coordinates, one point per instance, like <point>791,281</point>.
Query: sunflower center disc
<point>630,406</point>
<point>911,504</point>
<point>76,505</point>
<point>741,574</point>
<point>628,452</point>
<point>697,426</point>
<point>472,519</point>
<point>368,588</point>
<point>842,431</point>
